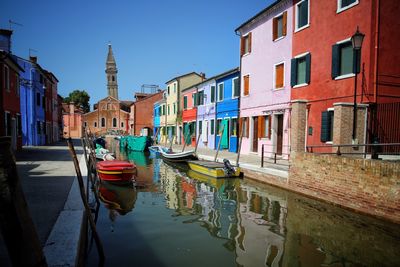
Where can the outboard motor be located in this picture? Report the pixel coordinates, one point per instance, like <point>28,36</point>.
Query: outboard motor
<point>228,168</point>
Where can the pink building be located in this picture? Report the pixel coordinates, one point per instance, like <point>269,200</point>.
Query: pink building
<point>265,54</point>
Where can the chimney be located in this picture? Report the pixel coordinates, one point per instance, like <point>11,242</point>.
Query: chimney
<point>33,59</point>
<point>71,114</point>
<point>5,40</point>
<point>203,76</point>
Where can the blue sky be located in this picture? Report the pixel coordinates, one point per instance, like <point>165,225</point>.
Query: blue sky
<point>153,41</point>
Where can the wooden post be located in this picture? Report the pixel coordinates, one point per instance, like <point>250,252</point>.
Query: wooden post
<point>155,137</point>
<point>184,143</point>
<point>197,143</point>
<point>262,156</point>
<point>240,145</point>
<point>219,142</point>
<point>92,224</point>
<point>19,233</point>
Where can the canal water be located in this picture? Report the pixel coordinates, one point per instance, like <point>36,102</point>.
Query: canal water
<point>178,218</point>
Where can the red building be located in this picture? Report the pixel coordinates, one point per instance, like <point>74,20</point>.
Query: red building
<point>72,121</point>
<point>10,115</point>
<point>324,67</point>
<point>142,113</point>
<point>189,115</point>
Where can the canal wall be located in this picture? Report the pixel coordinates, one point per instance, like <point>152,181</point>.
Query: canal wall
<point>368,186</point>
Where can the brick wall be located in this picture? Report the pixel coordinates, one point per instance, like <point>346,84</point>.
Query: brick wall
<point>369,186</point>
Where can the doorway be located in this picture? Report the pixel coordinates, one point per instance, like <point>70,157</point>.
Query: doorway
<point>255,134</point>
<point>279,134</point>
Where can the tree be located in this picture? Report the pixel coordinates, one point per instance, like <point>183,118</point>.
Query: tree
<point>80,98</point>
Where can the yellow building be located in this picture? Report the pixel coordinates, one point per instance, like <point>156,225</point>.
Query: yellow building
<point>173,112</point>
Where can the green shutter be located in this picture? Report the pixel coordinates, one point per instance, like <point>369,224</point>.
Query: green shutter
<point>308,68</point>
<point>212,94</point>
<point>356,61</point>
<point>325,127</point>
<point>335,60</point>
<point>293,72</point>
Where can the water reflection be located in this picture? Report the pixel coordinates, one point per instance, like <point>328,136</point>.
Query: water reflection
<point>233,222</point>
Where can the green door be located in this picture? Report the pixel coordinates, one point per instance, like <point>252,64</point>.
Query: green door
<point>186,132</point>
<point>225,141</point>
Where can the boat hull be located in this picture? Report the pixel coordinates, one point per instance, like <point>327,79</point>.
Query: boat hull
<point>178,157</point>
<point>116,171</point>
<point>212,169</point>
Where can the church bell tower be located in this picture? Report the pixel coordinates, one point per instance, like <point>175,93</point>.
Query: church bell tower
<point>111,71</point>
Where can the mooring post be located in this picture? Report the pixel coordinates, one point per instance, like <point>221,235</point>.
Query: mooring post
<point>19,233</point>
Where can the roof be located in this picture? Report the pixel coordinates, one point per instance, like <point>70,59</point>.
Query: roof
<point>179,77</point>
<point>33,64</point>
<point>12,60</point>
<point>218,76</point>
<point>252,19</point>
<point>49,73</point>
<point>147,97</point>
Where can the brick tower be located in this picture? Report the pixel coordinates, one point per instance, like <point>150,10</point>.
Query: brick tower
<point>111,71</point>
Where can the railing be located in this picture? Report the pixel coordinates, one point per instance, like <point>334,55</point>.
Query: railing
<point>376,149</point>
<point>276,158</point>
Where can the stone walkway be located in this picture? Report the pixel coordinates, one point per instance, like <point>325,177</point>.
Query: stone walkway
<point>251,162</point>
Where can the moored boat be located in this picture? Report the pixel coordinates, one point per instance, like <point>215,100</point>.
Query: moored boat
<point>116,171</point>
<point>156,149</point>
<point>184,156</point>
<point>215,169</point>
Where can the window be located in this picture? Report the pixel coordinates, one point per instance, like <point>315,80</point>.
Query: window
<point>38,99</point>
<point>163,107</point>
<point>200,127</point>
<point>302,14</point>
<point>122,124</point>
<point>212,127</point>
<point>327,126</point>
<point>185,102</point>
<point>212,93</point>
<point>114,122</point>
<point>200,98</point>
<point>113,78</point>
<point>19,125</point>
<point>235,87</point>
<point>344,63</point>
<point>6,78</point>
<point>279,25</point>
<point>219,126</point>
<point>174,108</point>
<point>85,124</point>
<point>95,124</point>
<point>244,126</point>
<point>103,122</point>
<point>234,126</point>
<point>174,87</point>
<point>245,44</point>
<point>246,85</point>
<point>168,89</point>
<point>7,123</point>
<point>17,84</point>
<point>345,4</point>
<point>39,127</point>
<point>220,95</point>
<point>264,127</point>
<point>44,102</point>
<point>279,76</point>
<point>168,109</point>
<point>300,70</point>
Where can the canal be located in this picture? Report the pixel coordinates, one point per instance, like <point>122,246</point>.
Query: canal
<point>178,218</point>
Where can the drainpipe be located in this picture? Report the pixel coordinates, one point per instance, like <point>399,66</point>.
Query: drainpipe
<point>376,59</point>
<point>240,97</point>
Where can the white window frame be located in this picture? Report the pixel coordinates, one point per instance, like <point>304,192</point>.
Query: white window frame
<point>174,87</point>
<point>348,75</point>
<point>333,110</point>
<point>218,95</point>
<point>283,36</point>
<point>233,88</point>
<point>341,9</point>
<point>204,102</point>
<point>274,76</point>
<point>297,29</point>
<point>246,40</point>
<point>297,57</point>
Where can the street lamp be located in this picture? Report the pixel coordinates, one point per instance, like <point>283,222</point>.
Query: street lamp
<point>356,42</point>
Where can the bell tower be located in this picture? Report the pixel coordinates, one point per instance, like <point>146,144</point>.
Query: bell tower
<point>111,71</point>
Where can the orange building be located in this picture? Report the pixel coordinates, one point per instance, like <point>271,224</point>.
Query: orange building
<point>72,120</point>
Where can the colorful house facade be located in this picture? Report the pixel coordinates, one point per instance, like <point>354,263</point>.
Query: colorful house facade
<point>265,54</point>
<point>205,101</point>
<point>10,113</point>
<point>174,114</point>
<point>189,115</point>
<point>158,111</point>
<point>227,109</point>
<point>72,121</point>
<point>337,90</point>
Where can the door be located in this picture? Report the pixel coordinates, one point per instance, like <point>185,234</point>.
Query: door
<point>279,133</point>
<point>255,134</point>
<point>225,135</point>
<point>13,134</point>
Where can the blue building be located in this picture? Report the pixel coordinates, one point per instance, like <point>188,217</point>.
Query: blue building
<point>158,115</point>
<point>32,102</point>
<point>227,109</point>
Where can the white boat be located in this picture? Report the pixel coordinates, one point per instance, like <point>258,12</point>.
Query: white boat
<point>184,156</point>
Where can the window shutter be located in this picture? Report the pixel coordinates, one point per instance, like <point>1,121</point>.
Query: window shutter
<point>274,28</point>
<point>246,85</point>
<point>284,23</point>
<point>293,72</point>
<point>259,128</point>
<point>279,76</point>
<point>242,46</point>
<point>249,36</point>
<point>325,126</point>
<point>212,94</point>
<point>247,126</point>
<point>356,61</point>
<point>269,126</point>
<point>335,60</point>
<point>240,126</point>
<point>308,68</point>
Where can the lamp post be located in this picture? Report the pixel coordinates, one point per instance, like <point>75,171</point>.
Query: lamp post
<point>356,42</point>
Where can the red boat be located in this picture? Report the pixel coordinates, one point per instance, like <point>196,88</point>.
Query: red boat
<point>116,171</point>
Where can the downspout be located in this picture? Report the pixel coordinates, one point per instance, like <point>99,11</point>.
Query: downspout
<point>239,144</point>
<point>376,57</point>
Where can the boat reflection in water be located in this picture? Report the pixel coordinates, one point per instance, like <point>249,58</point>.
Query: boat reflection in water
<point>118,198</point>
